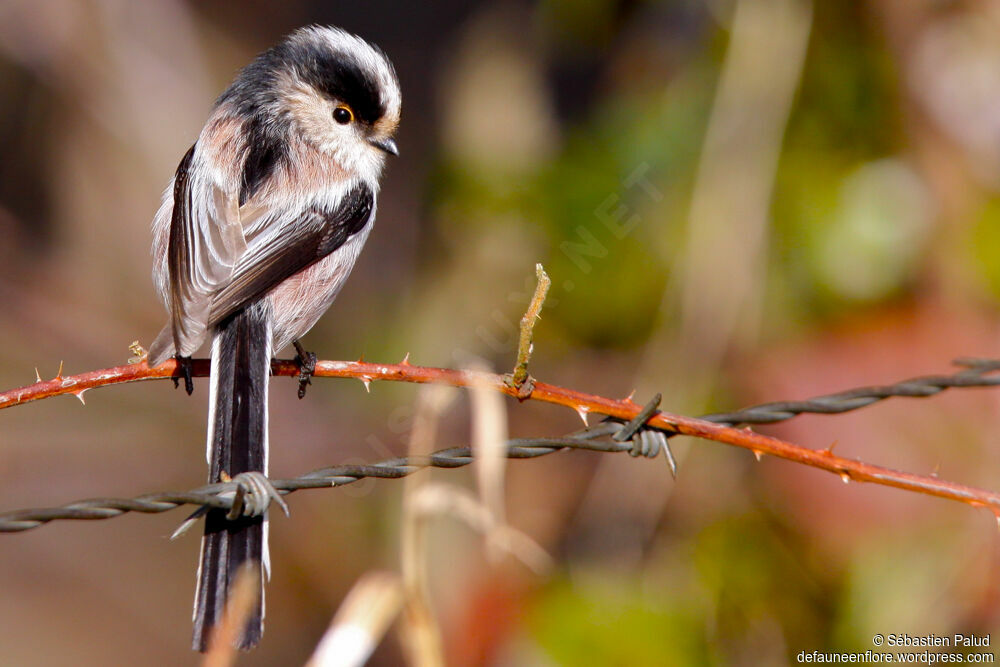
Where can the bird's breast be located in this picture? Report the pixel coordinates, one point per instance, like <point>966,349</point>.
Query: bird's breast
<point>298,302</point>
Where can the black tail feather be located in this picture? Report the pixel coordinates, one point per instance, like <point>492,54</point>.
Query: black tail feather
<point>241,366</point>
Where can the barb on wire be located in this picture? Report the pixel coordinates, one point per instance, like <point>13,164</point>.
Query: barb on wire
<point>647,441</point>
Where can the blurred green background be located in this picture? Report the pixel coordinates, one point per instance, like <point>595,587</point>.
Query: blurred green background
<point>737,200</point>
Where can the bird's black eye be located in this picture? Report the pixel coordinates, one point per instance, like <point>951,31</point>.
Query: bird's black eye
<point>343,115</point>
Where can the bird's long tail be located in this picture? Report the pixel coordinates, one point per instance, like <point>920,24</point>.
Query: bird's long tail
<point>237,442</point>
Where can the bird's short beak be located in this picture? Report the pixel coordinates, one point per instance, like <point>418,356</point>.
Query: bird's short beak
<point>387,144</point>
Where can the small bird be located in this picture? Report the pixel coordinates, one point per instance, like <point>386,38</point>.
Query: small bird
<point>257,233</point>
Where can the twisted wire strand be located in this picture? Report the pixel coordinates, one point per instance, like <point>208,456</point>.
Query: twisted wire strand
<point>221,495</point>
<point>599,438</point>
<point>975,374</point>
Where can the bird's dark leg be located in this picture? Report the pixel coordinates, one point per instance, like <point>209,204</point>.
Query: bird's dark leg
<point>185,366</point>
<point>307,366</point>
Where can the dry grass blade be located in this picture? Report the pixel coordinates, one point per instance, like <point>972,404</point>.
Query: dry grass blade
<point>458,503</point>
<point>421,634</point>
<point>362,620</point>
<point>243,595</point>
<point>489,446</point>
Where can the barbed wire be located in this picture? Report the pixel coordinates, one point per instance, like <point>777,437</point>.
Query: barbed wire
<point>974,375</point>
<point>221,495</point>
<point>599,439</point>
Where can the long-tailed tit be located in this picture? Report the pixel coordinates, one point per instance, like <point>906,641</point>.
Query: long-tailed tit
<point>258,231</point>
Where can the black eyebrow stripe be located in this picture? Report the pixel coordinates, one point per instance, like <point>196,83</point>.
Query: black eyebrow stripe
<point>341,78</point>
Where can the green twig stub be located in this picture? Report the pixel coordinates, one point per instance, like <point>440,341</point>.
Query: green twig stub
<point>519,378</point>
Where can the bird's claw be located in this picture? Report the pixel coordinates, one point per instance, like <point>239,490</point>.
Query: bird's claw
<point>186,368</point>
<point>307,366</point>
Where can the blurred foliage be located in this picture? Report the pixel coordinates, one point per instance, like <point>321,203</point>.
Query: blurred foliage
<point>609,621</point>
<point>984,247</point>
<point>707,608</point>
<point>847,102</point>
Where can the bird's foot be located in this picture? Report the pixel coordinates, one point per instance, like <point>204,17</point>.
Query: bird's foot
<point>185,367</point>
<point>307,366</point>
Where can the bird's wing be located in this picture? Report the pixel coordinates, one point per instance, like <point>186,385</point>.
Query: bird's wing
<point>206,242</point>
<point>289,243</point>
